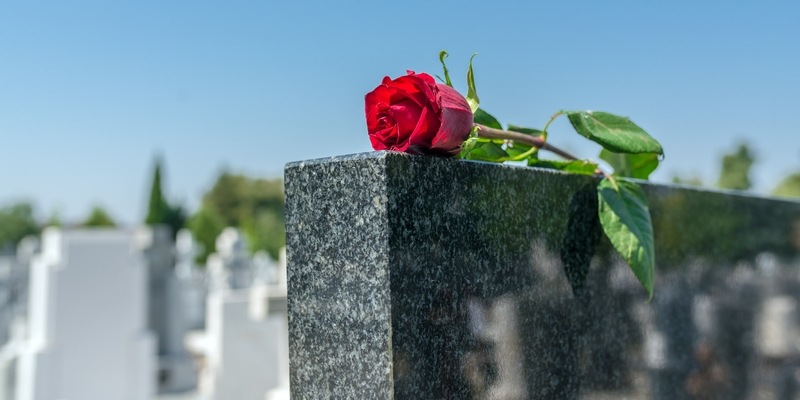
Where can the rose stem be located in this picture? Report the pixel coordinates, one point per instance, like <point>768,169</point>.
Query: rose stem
<point>533,141</point>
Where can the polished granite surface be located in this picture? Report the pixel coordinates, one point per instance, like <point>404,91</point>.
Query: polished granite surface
<point>426,278</point>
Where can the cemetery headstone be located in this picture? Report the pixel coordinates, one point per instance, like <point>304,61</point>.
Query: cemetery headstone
<point>87,334</point>
<point>194,282</point>
<point>246,338</point>
<point>168,311</point>
<point>420,277</point>
<point>232,253</point>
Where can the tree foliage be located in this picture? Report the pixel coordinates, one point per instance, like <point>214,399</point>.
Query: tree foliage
<point>157,209</point>
<point>735,173</point>
<point>99,218</point>
<point>16,221</point>
<point>788,187</point>
<point>254,205</point>
<point>54,220</point>
<point>160,211</point>
<point>206,224</point>
<point>688,181</point>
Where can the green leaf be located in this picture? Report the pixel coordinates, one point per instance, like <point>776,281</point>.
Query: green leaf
<point>467,147</point>
<point>488,140</point>
<point>614,133</point>
<point>638,166</point>
<point>625,217</point>
<point>529,131</point>
<point>517,148</point>
<point>442,56</point>
<point>581,167</point>
<point>484,118</point>
<point>486,151</point>
<point>472,94</point>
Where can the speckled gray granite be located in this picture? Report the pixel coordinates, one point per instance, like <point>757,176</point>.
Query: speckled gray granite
<point>427,278</point>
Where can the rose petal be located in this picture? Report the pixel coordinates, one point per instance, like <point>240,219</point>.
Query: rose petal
<point>426,129</point>
<point>406,115</point>
<point>454,130</point>
<point>374,117</point>
<point>450,98</point>
<point>417,88</point>
<point>457,121</point>
<point>382,140</point>
<point>425,78</point>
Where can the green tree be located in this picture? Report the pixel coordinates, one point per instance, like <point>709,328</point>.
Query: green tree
<point>157,209</point>
<point>230,197</point>
<point>266,231</point>
<point>16,221</point>
<point>98,218</point>
<point>206,224</point>
<point>175,218</point>
<point>254,205</point>
<point>160,211</point>
<point>789,186</point>
<point>54,220</point>
<point>735,173</point>
<point>690,181</point>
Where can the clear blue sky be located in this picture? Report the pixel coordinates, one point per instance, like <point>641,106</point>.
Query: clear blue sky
<point>91,91</point>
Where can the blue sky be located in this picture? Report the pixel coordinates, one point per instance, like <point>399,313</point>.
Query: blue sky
<point>91,91</point>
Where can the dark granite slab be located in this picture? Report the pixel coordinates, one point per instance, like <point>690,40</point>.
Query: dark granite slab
<point>428,278</point>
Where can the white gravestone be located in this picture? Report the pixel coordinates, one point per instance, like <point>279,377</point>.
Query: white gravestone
<point>168,317</point>
<point>88,336</point>
<point>778,328</point>
<point>194,282</point>
<point>232,252</point>
<point>246,337</point>
<point>268,303</point>
<point>13,309</point>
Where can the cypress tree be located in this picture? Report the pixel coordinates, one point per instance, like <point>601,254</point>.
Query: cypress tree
<point>160,212</point>
<point>735,172</point>
<point>158,207</point>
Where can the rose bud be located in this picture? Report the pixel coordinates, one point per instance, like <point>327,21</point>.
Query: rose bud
<point>414,114</point>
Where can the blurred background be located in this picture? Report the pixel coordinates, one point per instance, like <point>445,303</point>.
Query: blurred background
<point>92,94</point>
<point>181,116</point>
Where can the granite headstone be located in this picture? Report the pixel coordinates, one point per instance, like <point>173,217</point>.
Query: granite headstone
<point>427,278</point>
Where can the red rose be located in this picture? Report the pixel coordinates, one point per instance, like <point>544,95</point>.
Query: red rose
<point>414,114</point>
